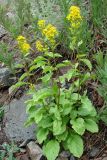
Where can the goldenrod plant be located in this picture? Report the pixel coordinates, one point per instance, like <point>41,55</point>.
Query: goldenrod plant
<point>62,112</point>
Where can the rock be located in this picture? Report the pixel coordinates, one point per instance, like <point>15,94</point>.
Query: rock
<point>22,157</point>
<point>5,78</point>
<point>94,151</point>
<point>72,157</point>
<point>24,144</point>
<point>14,118</point>
<point>35,152</point>
<point>65,154</point>
<point>105,158</point>
<point>2,31</point>
<point>22,150</point>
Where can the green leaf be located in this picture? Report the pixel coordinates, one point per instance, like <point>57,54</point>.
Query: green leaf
<point>86,77</point>
<point>38,59</point>
<point>42,94</point>
<point>56,112</point>
<point>75,144</point>
<point>38,114</point>
<point>34,67</point>
<point>86,108</point>
<point>58,127</point>
<point>42,134</point>
<point>46,78</point>
<point>51,150</point>
<point>91,125</point>
<point>73,114</point>
<point>18,84</point>
<point>63,64</point>
<point>78,125</point>
<point>45,122</point>
<point>48,69</point>
<point>49,54</point>
<point>63,136</point>
<point>70,74</point>
<point>57,55</point>
<point>67,109</point>
<point>87,63</point>
<point>24,76</point>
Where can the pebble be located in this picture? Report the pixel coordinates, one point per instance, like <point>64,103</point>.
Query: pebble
<point>35,152</point>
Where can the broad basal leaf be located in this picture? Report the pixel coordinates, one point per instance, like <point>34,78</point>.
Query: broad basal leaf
<point>75,145</point>
<point>58,127</point>
<point>86,108</point>
<point>91,125</point>
<point>42,134</point>
<point>78,125</point>
<point>63,136</point>
<point>51,150</point>
<point>38,115</point>
<point>45,122</point>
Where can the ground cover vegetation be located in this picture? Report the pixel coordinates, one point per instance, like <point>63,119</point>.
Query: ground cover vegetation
<point>64,54</point>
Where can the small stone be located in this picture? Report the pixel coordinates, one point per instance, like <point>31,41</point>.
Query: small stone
<point>22,150</point>
<point>24,143</point>
<point>72,158</point>
<point>94,151</point>
<point>23,157</point>
<point>35,152</point>
<point>65,154</point>
<point>105,158</point>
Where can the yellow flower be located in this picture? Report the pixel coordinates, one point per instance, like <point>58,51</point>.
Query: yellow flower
<point>25,47</point>
<point>41,24</point>
<point>74,17</point>
<point>50,31</point>
<point>74,14</point>
<point>21,39</point>
<point>39,46</point>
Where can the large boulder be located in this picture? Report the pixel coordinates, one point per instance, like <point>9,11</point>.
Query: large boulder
<point>15,118</point>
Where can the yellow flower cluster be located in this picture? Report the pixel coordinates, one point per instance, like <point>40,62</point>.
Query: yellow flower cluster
<point>50,32</point>
<point>74,16</point>
<point>41,24</point>
<point>23,45</point>
<point>39,46</point>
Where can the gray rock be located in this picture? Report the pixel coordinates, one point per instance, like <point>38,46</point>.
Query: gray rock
<point>105,158</point>
<point>65,154</point>
<point>24,143</point>
<point>15,116</point>
<point>35,152</point>
<point>72,158</point>
<point>5,77</point>
<point>94,151</point>
<point>2,31</point>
